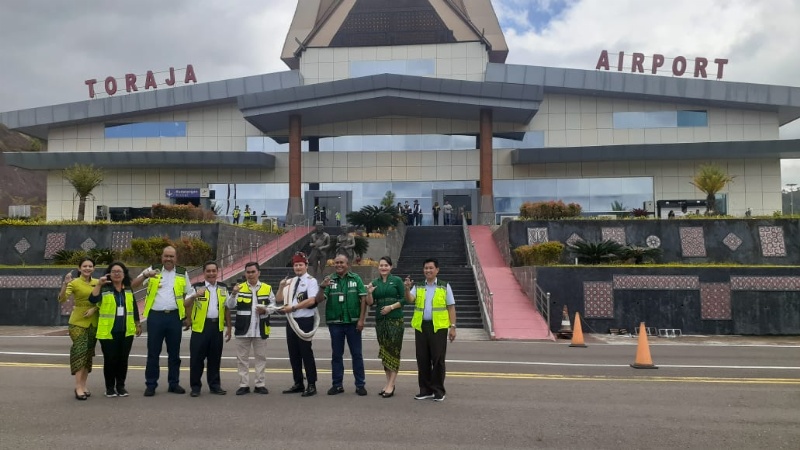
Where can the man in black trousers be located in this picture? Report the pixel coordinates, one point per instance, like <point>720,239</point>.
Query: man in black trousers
<point>434,321</point>
<point>208,312</point>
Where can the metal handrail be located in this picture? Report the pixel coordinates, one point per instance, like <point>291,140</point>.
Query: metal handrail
<point>541,300</point>
<point>484,294</point>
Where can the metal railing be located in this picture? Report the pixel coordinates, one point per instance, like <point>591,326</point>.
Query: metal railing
<point>485,296</point>
<point>255,250</point>
<point>541,300</point>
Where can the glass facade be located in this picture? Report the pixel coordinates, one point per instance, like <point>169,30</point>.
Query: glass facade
<point>660,119</point>
<point>273,198</point>
<point>417,67</point>
<point>384,143</point>
<point>145,130</point>
<point>595,195</point>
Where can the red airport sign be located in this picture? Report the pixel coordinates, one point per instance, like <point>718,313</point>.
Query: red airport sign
<point>679,64</point>
<point>111,87</point>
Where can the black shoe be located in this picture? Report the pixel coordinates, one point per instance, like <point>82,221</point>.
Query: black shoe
<point>438,398</point>
<point>194,393</point>
<point>149,392</point>
<point>243,390</point>
<point>335,390</point>
<point>295,389</point>
<point>361,391</point>
<point>310,392</point>
<point>423,396</point>
<point>80,397</point>
<point>218,391</point>
<point>261,390</point>
<point>111,392</point>
<point>176,389</point>
<point>122,392</point>
<point>87,394</point>
<point>388,394</point>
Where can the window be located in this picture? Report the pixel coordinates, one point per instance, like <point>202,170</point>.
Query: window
<point>145,130</point>
<point>386,143</point>
<point>660,119</point>
<point>417,67</point>
<point>595,195</point>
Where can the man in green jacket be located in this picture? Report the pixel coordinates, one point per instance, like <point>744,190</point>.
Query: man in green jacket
<point>344,314</point>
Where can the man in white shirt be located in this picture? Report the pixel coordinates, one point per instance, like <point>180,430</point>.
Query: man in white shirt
<point>167,287</point>
<point>208,313</point>
<point>300,303</point>
<point>250,300</point>
<point>447,209</point>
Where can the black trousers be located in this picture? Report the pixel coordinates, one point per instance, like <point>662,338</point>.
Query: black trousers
<point>431,352</point>
<point>205,346</point>
<point>115,359</point>
<point>163,327</point>
<point>300,352</point>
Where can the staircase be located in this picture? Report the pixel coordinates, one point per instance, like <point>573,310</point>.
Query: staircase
<point>446,244</point>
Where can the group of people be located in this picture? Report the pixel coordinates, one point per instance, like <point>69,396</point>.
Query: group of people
<point>105,310</point>
<point>413,213</point>
<point>249,216</point>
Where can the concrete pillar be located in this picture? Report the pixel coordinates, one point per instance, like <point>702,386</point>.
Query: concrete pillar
<point>486,209</point>
<point>294,210</point>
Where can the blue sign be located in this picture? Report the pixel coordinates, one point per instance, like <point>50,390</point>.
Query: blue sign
<point>183,193</point>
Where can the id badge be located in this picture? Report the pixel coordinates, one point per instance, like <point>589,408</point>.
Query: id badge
<point>341,298</point>
<point>120,310</point>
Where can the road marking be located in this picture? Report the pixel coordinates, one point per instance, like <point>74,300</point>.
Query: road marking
<point>489,375</point>
<point>487,362</point>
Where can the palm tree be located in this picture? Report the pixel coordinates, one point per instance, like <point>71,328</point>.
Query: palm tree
<point>84,179</point>
<point>711,179</point>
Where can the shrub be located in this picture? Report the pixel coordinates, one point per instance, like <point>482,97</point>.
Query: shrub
<point>542,254</point>
<point>63,256</point>
<point>549,210</point>
<point>362,245</point>
<point>182,212</point>
<point>596,252</point>
<point>191,251</point>
<point>639,212</point>
<point>640,255</point>
<point>102,256</point>
<point>374,218</point>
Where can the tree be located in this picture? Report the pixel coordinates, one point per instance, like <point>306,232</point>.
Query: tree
<point>84,179</point>
<point>388,199</point>
<point>711,179</point>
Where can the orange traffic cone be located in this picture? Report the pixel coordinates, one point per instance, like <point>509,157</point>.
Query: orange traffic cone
<point>577,332</point>
<point>643,359</point>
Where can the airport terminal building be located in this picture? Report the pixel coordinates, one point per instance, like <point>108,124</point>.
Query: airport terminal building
<point>415,97</point>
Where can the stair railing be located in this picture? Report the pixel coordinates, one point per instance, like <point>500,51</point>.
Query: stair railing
<point>485,296</point>
<point>541,300</point>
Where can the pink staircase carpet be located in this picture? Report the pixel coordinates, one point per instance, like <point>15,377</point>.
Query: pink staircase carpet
<point>515,317</point>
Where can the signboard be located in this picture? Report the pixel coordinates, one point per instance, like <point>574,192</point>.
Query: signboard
<point>680,64</point>
<point>110,83</point>
<point>183,193</point>
<point>205,192</point>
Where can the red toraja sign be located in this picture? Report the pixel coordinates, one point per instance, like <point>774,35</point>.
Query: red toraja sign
<point>679,64</point>
<point>111,87</point>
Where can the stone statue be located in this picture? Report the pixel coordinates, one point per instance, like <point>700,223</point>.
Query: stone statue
<point>345,244</point>
<point>320,245</point>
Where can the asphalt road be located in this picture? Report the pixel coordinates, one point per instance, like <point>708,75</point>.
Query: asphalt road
<point>500,395</point>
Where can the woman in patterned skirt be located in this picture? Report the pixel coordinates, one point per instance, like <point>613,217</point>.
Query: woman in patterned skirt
<point>82,324</point>
<point>386,293</point>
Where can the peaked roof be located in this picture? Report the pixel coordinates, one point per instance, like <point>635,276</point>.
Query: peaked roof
<point>353,23</point>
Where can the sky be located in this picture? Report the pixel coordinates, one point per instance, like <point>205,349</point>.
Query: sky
<point>49,48</point>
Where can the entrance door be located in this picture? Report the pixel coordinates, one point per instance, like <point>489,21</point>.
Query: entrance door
<point>463,201</point>
<point>322,206</point>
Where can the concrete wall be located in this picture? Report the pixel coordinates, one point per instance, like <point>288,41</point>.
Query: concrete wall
<point>771,242</point>
<point>747,301</point>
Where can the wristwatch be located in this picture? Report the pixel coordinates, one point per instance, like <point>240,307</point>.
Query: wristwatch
<point>452,325</point>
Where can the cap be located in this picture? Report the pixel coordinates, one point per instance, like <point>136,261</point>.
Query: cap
<point>299,257</point>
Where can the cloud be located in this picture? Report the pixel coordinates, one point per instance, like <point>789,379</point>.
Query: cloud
<point>49,48</point>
